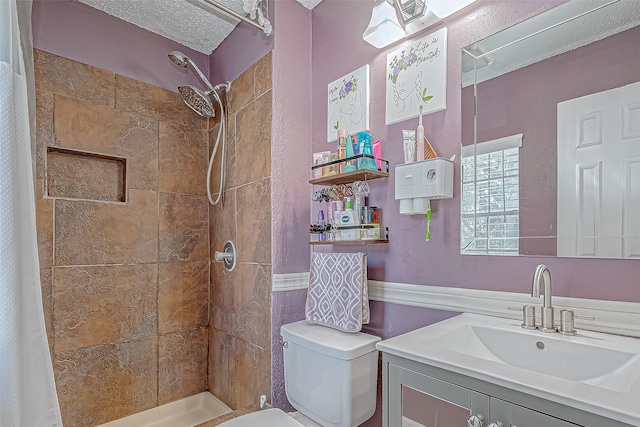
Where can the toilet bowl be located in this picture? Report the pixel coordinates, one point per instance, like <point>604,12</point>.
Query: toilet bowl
<point>330,378</point>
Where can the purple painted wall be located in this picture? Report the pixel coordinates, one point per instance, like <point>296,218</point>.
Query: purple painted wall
<point>241,49</point>
<point>291,159</point>
<point>291,132</point>
<point>76,31</point>
<point>338,49</point>
<point>524,101</point>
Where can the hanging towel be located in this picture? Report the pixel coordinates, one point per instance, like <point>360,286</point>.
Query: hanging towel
<point>338,295</point>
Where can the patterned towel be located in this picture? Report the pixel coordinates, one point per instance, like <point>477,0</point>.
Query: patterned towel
<point>337,295</point>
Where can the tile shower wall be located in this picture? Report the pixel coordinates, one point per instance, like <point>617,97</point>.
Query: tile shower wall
<point>239,335</point>
<point>125,285</point>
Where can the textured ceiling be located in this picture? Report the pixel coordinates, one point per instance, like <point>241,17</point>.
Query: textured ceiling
<point>189,22</point>
<point>192,23</point>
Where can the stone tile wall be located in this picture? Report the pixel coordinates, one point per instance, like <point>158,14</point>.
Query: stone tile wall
<point>125,285</point>
<point>240,320</point>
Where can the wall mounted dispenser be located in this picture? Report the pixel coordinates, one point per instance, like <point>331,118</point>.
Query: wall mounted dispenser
<point>418,182</point>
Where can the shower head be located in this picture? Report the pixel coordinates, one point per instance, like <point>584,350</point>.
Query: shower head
<point>182,60</point>
<point>197,100</point>
<point>179,58</point>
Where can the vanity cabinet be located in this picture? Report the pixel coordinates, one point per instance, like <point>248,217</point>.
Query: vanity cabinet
<point>419,395</point>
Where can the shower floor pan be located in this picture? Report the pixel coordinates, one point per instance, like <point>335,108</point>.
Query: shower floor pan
<point>187,412</point>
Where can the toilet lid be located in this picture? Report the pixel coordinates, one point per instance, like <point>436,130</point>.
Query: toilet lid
<point>267,418</point>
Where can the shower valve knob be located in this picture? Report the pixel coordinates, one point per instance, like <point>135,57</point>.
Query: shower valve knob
<point>223,255</point>
<point>228,256</point>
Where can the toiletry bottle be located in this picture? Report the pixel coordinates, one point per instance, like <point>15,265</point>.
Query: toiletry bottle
<point>366,162</point>
<point>321,223</point>
<point>348,220</point>
<point>348,216</point>
<point>351,164</point>
<point>377,153</point>
<point>338,211</point>
<point>357,206</point>
<point>342,147</point>
<point>420,138</point>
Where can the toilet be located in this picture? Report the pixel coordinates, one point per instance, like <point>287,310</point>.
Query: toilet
<point>330,378</point>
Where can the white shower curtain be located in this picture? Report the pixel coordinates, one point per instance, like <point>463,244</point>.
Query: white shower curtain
<point>27,389</point>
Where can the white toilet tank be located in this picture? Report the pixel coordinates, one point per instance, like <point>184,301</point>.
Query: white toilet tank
<point>330,376</point>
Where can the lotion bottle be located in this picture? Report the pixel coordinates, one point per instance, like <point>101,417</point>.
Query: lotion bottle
<point>348,217</point>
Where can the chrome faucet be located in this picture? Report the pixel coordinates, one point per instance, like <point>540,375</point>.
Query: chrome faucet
<point>542,273</point>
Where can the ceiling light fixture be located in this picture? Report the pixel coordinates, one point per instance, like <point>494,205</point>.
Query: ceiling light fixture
<point>415,16</point>
<point>384,27</point>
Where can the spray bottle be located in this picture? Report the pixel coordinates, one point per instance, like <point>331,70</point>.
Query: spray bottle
<point>366,162</point>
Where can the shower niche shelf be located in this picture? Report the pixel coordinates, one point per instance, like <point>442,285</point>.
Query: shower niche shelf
<point>83,175</point>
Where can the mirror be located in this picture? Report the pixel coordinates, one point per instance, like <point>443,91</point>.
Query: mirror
<point>551,135</point>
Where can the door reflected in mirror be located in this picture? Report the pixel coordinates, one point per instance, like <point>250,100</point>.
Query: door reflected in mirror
<point>551,156</point>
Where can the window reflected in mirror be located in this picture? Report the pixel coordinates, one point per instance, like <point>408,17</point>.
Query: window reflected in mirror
<point>490,213</point>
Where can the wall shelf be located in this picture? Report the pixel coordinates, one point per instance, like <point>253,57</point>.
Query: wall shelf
<point>348,177</point>
<point>356,175</point>
<point>349,242</point>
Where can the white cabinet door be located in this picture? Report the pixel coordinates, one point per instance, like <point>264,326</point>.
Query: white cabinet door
<point>599,174</point>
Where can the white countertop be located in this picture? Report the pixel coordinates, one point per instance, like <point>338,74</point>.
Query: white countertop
<point>455,345</point>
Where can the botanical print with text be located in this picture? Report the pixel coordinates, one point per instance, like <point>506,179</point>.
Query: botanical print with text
<point>409,91</point>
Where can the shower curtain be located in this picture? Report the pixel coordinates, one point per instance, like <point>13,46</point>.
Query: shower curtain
<point>27,389</point>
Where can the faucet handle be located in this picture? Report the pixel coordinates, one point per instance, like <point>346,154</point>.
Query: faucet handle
<point>567,326</point>
<point>528,316</point>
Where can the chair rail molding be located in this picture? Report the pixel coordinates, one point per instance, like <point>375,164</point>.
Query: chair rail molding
<point>616,317</point>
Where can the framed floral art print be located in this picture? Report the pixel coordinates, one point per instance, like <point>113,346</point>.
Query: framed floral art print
<point>348,103</point>
<point>417,75</point>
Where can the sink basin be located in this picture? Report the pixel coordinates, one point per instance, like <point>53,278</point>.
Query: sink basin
<point>593,371</point>
<point>555,355</point>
